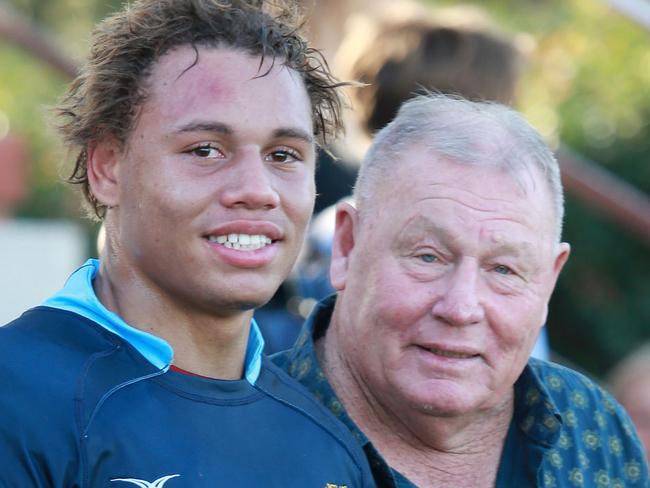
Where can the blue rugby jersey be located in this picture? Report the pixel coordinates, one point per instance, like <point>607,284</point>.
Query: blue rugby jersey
<point>82,407</point>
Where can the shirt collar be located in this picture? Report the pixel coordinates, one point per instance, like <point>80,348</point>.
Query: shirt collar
<point>302,363</point>
<point>536,413</point>
<point>78,296</point>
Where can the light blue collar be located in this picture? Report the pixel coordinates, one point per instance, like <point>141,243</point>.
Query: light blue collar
<point>79,297</point>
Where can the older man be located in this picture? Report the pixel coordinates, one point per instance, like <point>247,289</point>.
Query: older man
<point>194,125</point>
<point>444,270</point>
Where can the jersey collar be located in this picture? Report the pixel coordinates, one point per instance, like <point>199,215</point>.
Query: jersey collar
<point>78,296</point>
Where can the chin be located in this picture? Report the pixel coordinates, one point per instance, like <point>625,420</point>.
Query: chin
<point>244,303</point>
<point>440,403</point>
<point>220,305</point>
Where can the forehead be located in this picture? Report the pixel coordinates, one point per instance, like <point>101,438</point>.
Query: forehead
<point>426,192</point>
<point>223,83</point>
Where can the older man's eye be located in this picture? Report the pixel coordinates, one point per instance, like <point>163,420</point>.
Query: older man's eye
<point>428,258</point>
<point>503,270</point>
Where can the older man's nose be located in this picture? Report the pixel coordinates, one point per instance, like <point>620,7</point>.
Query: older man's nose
<point>458,302</point>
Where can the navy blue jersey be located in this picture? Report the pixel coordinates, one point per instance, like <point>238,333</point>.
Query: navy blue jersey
<point>81,407</point>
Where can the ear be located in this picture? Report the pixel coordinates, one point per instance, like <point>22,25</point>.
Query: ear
<point>347,223</point>
<point>562,255</point>
<point>103,171</point>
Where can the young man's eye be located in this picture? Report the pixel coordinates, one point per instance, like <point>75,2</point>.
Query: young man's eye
<point>206,151</point>
<point>284,156</point>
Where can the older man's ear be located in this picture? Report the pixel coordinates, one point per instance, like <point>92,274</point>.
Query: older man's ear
<point>347,221</point>
<point>561,257</point>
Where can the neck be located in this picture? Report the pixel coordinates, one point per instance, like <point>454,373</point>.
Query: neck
<point>429,450</point>
<point>203,343</point>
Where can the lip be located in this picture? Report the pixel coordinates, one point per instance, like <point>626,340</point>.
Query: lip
<point>450,352</point>
<point>252,227</point>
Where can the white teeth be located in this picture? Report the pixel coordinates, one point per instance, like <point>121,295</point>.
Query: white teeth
<point>450,354</point>
<point>241,242</point>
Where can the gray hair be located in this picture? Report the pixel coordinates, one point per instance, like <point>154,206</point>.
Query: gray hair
<point>467,132</point>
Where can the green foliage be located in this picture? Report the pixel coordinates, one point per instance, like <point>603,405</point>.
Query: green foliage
<point>24,97</point>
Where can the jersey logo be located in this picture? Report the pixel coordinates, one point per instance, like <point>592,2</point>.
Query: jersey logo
<point>159,483</point>
<point>334,485</point>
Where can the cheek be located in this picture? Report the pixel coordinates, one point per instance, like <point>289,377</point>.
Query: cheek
<point>297,194</point>
<point>515,324</point>
<point>159,211</point>
<point>399,309</point>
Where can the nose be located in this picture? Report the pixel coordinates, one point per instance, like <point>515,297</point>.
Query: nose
<point>250,183</point>
<point>458,303</point>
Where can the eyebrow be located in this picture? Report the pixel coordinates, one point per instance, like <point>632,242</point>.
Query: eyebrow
<point>204,127</point>
<point>518,249</point>
<point>292,133</point>
<point>423,227</point>
<point>218,127</point>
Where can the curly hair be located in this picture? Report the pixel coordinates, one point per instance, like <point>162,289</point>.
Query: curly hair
<point>105,98</point>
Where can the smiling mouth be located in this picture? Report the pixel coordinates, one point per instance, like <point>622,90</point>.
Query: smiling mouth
<point>450,354</point>
<point>241,242</point>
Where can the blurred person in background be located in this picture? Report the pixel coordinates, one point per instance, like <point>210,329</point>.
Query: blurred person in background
<point>13,172</point>
<point>396,51</point>
<point>194,124</point>
<point>454,50</point>
<point>629,381</point>
<point>444,267</point>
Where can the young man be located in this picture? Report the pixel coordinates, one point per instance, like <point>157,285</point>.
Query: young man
<point>195,124</point>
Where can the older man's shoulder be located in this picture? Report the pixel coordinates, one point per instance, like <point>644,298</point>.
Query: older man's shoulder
<point>571,389</point>
<point>595,442</point>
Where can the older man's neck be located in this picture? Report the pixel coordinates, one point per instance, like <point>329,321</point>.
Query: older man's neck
<point>430,451</point>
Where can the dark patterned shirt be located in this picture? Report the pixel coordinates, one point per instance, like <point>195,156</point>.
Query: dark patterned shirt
<point>566,431</point>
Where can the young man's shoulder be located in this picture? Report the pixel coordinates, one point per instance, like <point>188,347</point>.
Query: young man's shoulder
<point>43,356</point>
<point>43,341</point>
<point>325,434</point>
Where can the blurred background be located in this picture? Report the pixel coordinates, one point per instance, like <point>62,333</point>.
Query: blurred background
<point>584,82</point>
